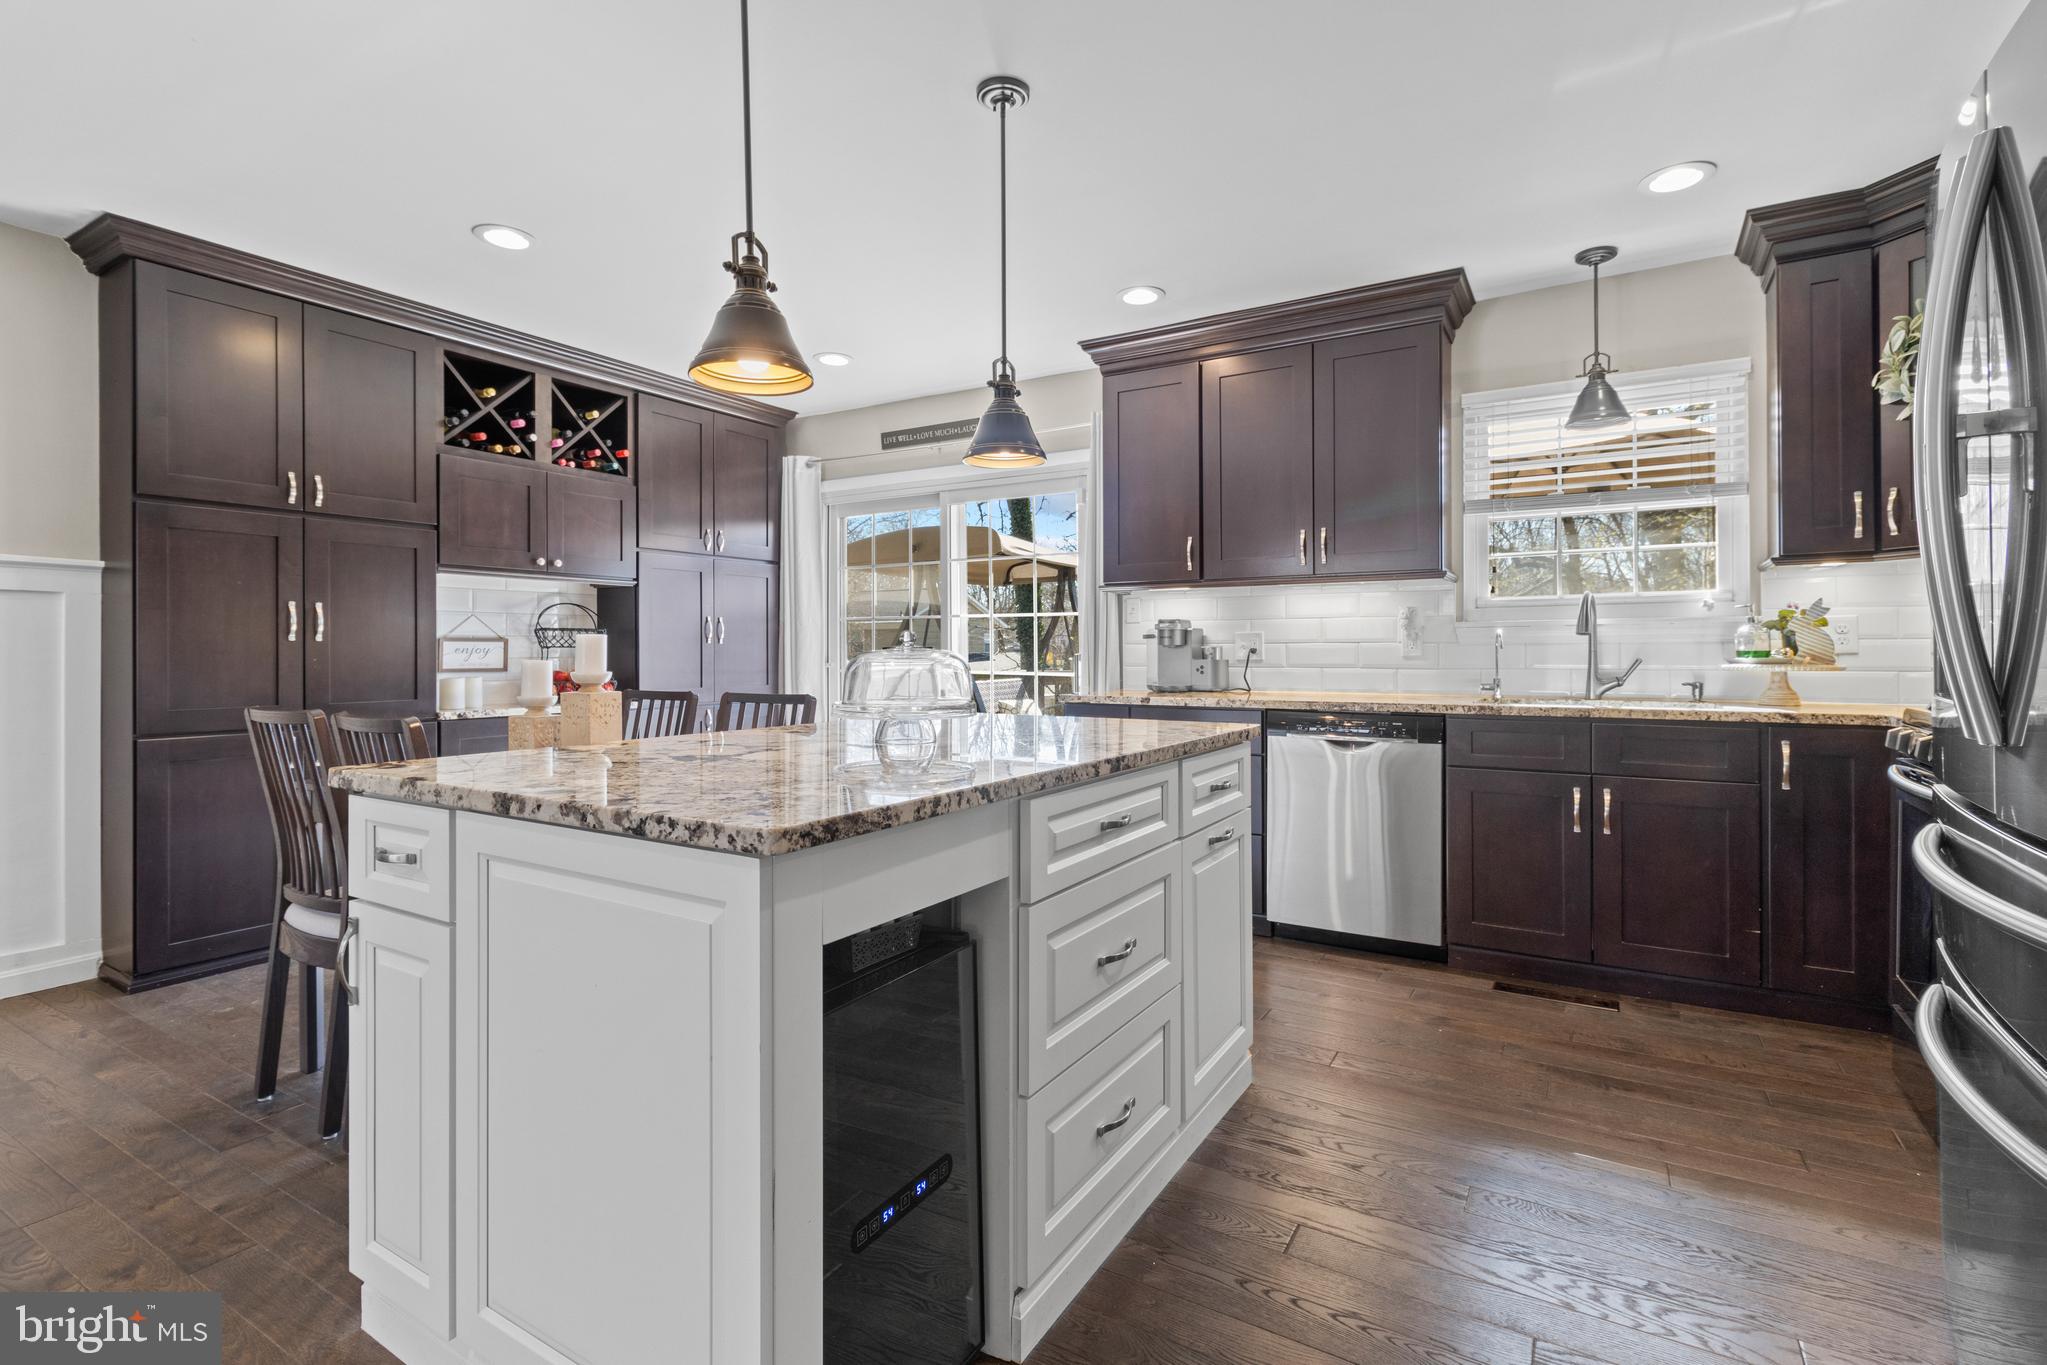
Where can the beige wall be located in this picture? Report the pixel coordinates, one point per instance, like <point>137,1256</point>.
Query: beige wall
<point>1061,407</point>
<point>49,399</point>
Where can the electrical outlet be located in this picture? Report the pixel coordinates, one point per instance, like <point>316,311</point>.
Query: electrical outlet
<point>1411,647</point>
<point>1847,633</point>
<point>1252,642</point>
<point>1131,614</point>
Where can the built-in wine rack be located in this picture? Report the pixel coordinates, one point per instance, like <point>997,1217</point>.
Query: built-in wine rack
<point>491,407</point>
<point>591,428</point>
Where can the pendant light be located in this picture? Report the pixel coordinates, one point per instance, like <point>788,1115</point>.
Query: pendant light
<point>1598,405</point>
<point>749,349</point>
<point>1004,439</point>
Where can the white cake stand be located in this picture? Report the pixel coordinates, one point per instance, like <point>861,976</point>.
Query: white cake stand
<point>1778,691</point>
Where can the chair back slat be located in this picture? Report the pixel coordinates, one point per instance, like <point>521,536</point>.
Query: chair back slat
<point>294,752</point>
<point>763,710</point>
<point>380,739</point>
<point>657,715</point>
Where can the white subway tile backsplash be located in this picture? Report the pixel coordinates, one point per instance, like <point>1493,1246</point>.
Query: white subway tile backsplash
<point>1322,654</point>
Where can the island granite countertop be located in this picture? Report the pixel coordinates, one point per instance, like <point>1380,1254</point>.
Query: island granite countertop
<point>1464,704</point>
<point>770,792</point>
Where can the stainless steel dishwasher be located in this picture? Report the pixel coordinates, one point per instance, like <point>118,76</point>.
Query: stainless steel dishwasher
<point>1354,830</point>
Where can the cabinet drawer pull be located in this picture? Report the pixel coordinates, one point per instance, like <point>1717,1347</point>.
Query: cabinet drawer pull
<point>1129,1108</point>
<point>1118,821</point>
<point>1190,554</point>
<point>319,622</point>
<point>1304,545</point>
<point>1858,514</point>
<point>1222,784</point>
<point>1606,811</point>
<point>319,491</point>
<point>291,488</point>
<point>541,562</point>
<point>1325,545</point>
<point>1784,773</point>
<point>291,618</point>
<point>557,564</point>
<point>1106,959</point>
<point>1229,833</point>
<point>395,859</point>
<point>1577,802</point>
<point>1891,509</point>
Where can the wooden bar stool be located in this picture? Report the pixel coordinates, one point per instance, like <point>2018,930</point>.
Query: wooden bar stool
<point>657,715</point>
<point>294,750</point>
<point>379,739</point>
<point>763,710</point>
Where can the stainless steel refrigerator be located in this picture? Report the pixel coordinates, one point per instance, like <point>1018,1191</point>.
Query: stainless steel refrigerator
<point>1980,393</point>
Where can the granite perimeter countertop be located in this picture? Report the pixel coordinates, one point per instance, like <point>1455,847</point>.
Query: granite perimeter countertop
<point>769,792</point>
<point>1464,704</point>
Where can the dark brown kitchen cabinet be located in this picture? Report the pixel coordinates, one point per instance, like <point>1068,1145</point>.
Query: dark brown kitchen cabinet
<point>662,627</point>
<point>367,618</point>
<point>1900,292</point>
<point>220,615</point>
<point>1675,884</point>
<point>1258,464</point>
<point>1824,326</point>
<point>746,488</point>
<point>371,395</point>
<point>1151,475</point>
<point>1381,411</point>
<point>218,407</point>
<point>205,871</point>
<point>477,735</point>
<point>1829,847</point>
<point>493,514</point>
<point>591,527</point>
<point>746,619</point>
<point>1518,869</point>
<point>673,464</point>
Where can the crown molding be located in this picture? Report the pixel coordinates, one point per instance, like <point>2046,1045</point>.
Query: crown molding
<point>110,239</point>
<point>1443,298</point>
<point>1843,221</point>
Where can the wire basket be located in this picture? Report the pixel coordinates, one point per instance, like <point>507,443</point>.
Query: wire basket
<point>560,633</point>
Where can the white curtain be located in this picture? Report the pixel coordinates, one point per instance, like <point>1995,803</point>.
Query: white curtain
<point>805,562</point>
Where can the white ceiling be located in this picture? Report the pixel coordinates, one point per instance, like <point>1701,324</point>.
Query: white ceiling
<point>1234,153</point>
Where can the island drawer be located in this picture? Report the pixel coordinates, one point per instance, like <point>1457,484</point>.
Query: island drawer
<point>1091,1132</point>
<point>1070,835</point>
<point>1213,786</point>
<point>1095,956</point>
<point>399,856</point>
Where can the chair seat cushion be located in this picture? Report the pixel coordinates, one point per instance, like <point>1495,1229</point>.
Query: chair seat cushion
<point>316,923</point>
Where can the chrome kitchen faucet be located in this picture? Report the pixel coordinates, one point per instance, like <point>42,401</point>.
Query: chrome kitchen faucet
<point>1597,684</point>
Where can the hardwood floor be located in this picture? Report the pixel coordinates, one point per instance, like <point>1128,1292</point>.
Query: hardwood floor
<point>1427,1170</point>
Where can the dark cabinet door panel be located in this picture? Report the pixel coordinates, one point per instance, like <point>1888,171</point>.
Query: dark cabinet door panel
<point>1675,878</point>
<point>218,406</point>
<point>1527,742</point>
<point>746,489</point>
<point>1826,418</point>
<point>1518,876</point>
<point>673,624</point>
<point>1381,410</point>
<point>1830,845</point>
<point>481,735</point>
<point>1710,751</point>
<point>1151,475</point>
<point>493,513</point>
<point>1900,290</point>
<point>672,463</point>
<point>205,859</point>
<point>746,626</point>
<point>370,642</point>
<point>591,530</point>
<point>1258,464</point>
<point>371,405</point>
<point>220,621</point>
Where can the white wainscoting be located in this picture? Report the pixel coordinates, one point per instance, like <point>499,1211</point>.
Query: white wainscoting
<point>49,772</point>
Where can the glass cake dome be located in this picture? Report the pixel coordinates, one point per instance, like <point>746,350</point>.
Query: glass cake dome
<point>907,680</point>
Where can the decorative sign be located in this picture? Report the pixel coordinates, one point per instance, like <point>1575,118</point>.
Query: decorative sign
<point>475,651</point>
<point>929,435</point>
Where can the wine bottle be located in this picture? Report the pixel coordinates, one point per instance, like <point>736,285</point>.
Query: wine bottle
<point>516,423</point>
<point>487,392</point>
<point>590,415</point>
<point>622,454</point>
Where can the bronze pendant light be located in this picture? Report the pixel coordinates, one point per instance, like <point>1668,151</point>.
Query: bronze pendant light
<point>749,349</point>
<point>1004,439</point>
<point>1598,405</point>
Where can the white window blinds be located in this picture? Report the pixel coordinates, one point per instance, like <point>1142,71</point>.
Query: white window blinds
<point>1687,440</point>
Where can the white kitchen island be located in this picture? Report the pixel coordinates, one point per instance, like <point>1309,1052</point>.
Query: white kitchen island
<point>586,1114</point>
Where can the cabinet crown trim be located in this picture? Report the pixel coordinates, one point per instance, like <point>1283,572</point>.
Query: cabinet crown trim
<point>1843,221</point>
<point>1444,297</point>
<point>110,238</point>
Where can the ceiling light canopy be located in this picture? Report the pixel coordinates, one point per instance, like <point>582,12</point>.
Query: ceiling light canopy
<point>1004,439</point>
<point>504,235</point>
<point>1682,176</point>
<point>749,349</point>
<point>1138,295</point>
<point>832,358</point>
<point>1598,405</point>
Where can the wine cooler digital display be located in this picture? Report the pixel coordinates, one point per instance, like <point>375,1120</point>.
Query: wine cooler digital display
<point>907,1198</point>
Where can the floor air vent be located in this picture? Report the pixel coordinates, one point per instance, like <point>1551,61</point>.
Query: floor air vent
<point>1593,1002</point>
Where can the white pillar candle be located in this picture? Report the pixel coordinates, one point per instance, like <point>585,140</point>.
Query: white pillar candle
<point>590,653</point>
<point>472,693</point>
<point>451,694</point>
<point>536,678</point>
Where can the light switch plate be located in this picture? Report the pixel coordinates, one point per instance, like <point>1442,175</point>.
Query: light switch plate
<point>1847,633</point>
<point>1131,615</point>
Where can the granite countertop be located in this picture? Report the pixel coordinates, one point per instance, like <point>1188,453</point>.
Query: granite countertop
<point>1464,704</point>
<point>493,713</point>
<point>769,792</point>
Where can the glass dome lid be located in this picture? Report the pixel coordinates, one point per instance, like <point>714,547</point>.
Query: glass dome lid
<point>907,680</point>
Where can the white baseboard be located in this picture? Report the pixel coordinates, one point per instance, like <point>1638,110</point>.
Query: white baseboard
<point>26,978</point>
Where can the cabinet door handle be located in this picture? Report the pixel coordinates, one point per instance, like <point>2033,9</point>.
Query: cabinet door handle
<point>1606,810</point>
<point>1229,833</point>
<point>1129,1108</point>
<point>396,859</point>
<point>1577,804</point>
<point>721,630</point>
<point>557,564</point>
<point>344,954</point>
<point>291,488</point>
<point>721,542</point>
<point>1118,821</point>
<point>1304,545</point>
<point>1784,772</point>
<point>1107,959</point>
<point>1190,554</point>
<point>542,561</point>
<point>319,491</point>
<point>1325,545</point>
<point>1858,514</point>
<point>707,538</point>
<point>1891,509</point>
<point>291,619</point>
<point>707,630</point>
<point>319,622</point>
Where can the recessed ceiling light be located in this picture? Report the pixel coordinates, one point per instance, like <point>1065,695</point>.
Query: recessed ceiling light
<point>499,234</point>
<point>1137,295</point>
<point>1967,114</point>
<point>832,358</point>
<point>1682,176</point>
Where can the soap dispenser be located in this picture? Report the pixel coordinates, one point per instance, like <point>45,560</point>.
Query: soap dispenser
<point>1752,638</point>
